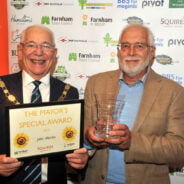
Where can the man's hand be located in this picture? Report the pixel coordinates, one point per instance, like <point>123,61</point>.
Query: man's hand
<point>78,159</point>
<point>8,165</point>
<point>122,136</point>
<point>93,139</point>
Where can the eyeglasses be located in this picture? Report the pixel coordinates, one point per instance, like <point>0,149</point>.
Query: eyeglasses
<point>138,46</point>
<point>32,46</point>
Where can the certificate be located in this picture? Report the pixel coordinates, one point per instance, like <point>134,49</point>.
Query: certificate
<point>45,129</point>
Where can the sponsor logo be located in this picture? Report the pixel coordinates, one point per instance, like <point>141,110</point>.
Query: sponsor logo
<point>175,42</point>
<point>82,76</point>
<point>134,20</point>
<point>89,57</point>
<point>71,40</point>
<point>84,4</point>
<point>40,3</point>
<point>15,35</point>
<point>112,57</point>
<point>21,20</point>
<point>56,20</point>
<point>61,73</point>
<point>96,21</point>
<point>45,148</point>
<point>176,4</point>
<point>127,4</point>
<point>81,93</point>
<point>179,80</point>
<point>15,68</point>
<point>13,52</point>
<point>176,170</point>
<point>19,4</point>
<point>109,41</point>
<point>170,22</point>
<point>20,152</point>
<point>163,59</point>
<point>152,3</point>
<point>159,42</point>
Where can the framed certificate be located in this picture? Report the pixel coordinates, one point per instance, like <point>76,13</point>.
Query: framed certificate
<point>45,129</point>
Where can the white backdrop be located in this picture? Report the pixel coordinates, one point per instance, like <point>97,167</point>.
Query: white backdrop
<point>87,32</point>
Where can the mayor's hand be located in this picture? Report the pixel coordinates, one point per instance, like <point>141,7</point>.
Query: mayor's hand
<point>78,159</point>
<point>9,165</point>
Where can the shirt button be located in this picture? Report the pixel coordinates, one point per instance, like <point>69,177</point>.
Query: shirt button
<point>102,176</point>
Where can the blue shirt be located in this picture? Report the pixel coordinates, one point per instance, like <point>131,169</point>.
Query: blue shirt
<point>116,164</point>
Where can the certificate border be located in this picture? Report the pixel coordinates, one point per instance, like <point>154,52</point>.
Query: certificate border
<point>30,105</point>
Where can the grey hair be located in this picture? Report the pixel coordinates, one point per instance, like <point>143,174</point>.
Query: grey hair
<point>23,34</point>
<point>151,38</point>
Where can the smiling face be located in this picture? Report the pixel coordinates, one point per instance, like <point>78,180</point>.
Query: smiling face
<point>135,53</point>
<point>34,56</point>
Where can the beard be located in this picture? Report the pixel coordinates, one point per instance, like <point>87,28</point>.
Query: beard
<point>132,71</point>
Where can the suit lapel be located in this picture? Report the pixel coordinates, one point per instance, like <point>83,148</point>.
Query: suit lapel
<point>19,91</point>
<point>56,89</point>
<point>14,86</point>
<point>152,88</point>
<point>113,87</point>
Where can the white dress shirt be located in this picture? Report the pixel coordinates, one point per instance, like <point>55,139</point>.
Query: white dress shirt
<point>44,88</point>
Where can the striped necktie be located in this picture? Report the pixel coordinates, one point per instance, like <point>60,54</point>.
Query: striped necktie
<point>32,169</point>
<point>36,96</point>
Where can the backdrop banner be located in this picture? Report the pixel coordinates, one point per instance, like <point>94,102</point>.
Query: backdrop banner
<point>87,32</point>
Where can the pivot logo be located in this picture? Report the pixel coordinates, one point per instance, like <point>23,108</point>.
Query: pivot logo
<point>19,4</point>
<point>61,73</point>
<point>176,4</point>
<point>109,41</point>
<point>152,3</point>
<point>89,57</point>
<point>83,4</point>
<point>177,42</point>
<point>57,20</point>
<point>126,4</point>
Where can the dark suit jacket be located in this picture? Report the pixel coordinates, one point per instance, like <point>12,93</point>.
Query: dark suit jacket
<point>56,165</point>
